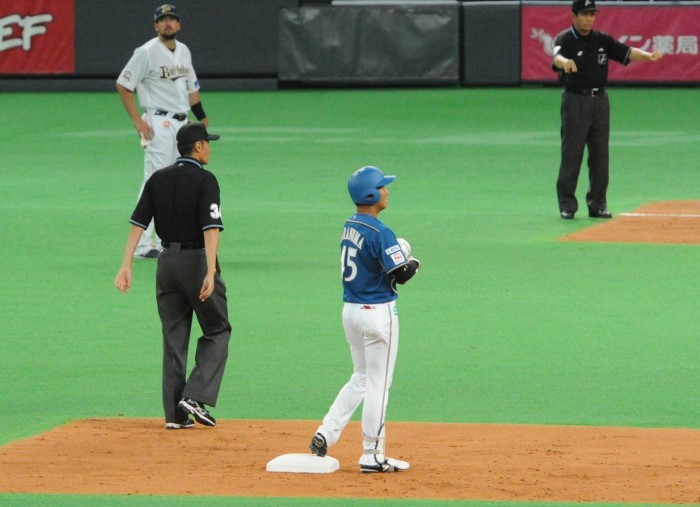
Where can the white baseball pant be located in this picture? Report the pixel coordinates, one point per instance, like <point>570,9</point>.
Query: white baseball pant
<point>372,331</point>
<point>159,152</point>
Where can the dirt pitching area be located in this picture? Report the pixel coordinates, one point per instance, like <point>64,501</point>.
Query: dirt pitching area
<point>669,222</point>
<point>448,461</point>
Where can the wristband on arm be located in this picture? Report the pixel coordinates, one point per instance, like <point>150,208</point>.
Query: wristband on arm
<point>198,111</point>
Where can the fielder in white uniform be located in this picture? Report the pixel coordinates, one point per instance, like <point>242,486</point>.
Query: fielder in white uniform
<point>372,263</point>
<point>162,75</point>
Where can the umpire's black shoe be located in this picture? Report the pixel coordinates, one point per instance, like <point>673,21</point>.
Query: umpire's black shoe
<point>567,215</point>
<point>198,411</point>
<point>318,445</point>
<point>599,213</point>
<point>187,423</point>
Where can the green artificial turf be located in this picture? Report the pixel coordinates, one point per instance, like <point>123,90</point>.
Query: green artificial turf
<point>503,324</point>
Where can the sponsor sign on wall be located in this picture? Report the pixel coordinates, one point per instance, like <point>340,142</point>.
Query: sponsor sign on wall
<point>672,30</point>
<point>37,37</point>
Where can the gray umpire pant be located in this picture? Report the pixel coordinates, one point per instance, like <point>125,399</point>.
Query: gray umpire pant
<point>585,121</point>
<point>178,281</point>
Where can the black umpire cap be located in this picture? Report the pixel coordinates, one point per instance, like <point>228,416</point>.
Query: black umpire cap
<point>166,10</point>
<point>193,132</point>
<point>579,6</point>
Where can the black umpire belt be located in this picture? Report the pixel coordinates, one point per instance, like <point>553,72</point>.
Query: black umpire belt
<point>586,91</point>
<point>176,116</point>
<point>182,246</point>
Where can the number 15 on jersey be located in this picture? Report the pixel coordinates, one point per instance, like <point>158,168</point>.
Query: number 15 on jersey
<point>347,263</point>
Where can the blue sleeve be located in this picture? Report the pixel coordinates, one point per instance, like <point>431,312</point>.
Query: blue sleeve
<point>391,255</point>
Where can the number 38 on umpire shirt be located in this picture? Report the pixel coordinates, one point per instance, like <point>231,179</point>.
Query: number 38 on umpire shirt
<point>183,201</point>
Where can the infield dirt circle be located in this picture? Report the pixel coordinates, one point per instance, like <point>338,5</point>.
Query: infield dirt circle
<point>448,461</point>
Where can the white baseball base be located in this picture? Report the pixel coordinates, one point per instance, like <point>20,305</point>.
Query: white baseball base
<point>303,464</point>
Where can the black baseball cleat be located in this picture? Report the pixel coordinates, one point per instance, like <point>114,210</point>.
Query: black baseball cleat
<point>599,213</point>
<point>318,445</point>
<point>567,215</point>
<point>386,465</point>
<point>198,411</point>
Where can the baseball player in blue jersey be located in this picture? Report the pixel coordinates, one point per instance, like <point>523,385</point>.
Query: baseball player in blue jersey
<point>372,263</point>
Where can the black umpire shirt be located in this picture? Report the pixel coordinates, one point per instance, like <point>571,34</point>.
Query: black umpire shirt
<point>591,54</point>
<point>183,200</point>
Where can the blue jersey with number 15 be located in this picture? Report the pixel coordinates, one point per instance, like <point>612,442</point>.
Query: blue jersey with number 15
<point>369,252</point>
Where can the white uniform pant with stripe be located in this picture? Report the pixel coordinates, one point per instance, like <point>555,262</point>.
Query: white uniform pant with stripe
<point>372,331</point>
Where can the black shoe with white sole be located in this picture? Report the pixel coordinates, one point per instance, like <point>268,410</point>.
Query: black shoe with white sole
<point>198,411</point>
<point>599,213</point>
<point>318,445</point>
<point>187,423</point>
<point>567,215</point>
<point>382,466</point>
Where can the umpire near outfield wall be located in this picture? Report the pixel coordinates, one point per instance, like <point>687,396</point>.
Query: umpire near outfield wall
<point>183,200</point>
<point>581,57</point>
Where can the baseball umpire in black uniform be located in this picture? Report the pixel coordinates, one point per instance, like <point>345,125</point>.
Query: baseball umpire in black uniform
<point>183,200</point>
<point>581,57</point>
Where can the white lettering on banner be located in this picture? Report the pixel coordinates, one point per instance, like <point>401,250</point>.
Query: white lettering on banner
<point>666,44</point>
<point>633,40</point>
<point>663,43</point>
<point>545,39</point>
<point>31,26</point>
<point>687,44</point>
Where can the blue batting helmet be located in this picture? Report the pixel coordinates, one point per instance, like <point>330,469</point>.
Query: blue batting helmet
<point>364,182</point>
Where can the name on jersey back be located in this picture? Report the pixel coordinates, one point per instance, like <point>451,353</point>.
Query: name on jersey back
<point>353,236</point>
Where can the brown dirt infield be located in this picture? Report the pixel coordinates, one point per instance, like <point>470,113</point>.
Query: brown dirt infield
<point>448,461</point>
<point>670,222</point>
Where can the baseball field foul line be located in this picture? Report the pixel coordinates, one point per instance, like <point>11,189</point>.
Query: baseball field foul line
<point>679,215</point>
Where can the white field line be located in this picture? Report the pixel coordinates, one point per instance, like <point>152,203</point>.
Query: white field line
<point>680,215</point>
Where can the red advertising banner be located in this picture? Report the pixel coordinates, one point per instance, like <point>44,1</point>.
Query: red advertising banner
<point>37,37</point>
<point>672,30</point>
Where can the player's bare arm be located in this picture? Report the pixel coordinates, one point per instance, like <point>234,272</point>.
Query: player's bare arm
<point>127,97</point>
<point>125,274</point>
<point>211,247</point>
